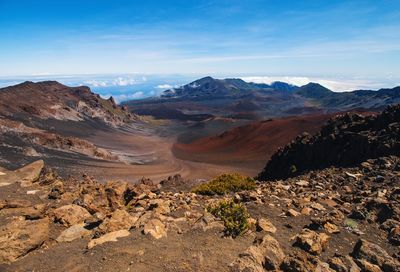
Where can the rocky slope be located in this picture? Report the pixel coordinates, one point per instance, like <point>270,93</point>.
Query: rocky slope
<point>252,144</point>
<point>345,140</point>
<point>50,99</point>
<point>45,118</point>
<point>329,220</point>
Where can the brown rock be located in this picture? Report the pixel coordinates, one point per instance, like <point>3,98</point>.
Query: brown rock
<point>331,228</point>
<point>374,254</point>
<point>17,203</point>
<point>298,262</point>
<point>118,194</point>
<point>394,235</point>
<point>120,219</point>
<point>20,236</point>
<point>292,213</point>
<point>311,241</point>
<point>29,173</point>
<point>367,266</point>
<point>265,225</point>
<point>72,214</point>
<point>267,255</point>
<point>72,233</point>
<point>155,228</point>
<point>109,237</point>
<point>160,206</point>
<point>306,211</point>
<point>337,265</point>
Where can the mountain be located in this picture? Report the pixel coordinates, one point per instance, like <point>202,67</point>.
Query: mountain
<point>52,100</point>
<point>277,86</point>
<point>209,87</point>
<point>51,120</point>
<point>358,99</point>
<point>237,99</point>
<point>314,91</point>
<point>231,98</point>
<point>346,140</point>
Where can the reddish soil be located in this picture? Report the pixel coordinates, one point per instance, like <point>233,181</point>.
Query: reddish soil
<point>252,144</point>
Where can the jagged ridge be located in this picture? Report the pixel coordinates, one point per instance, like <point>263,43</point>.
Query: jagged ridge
<point>344,141</point>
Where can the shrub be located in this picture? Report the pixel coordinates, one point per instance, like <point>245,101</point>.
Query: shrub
<point>234,215</point>
<point>293,169</point>
<point>350,223</point>
<point>226,183</point>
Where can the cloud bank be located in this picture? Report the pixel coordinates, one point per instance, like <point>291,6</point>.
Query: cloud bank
<point>337,85</point>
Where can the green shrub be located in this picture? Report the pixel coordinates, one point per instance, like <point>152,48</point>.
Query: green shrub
<point>226,183</point>
<point>234,215</point>
<point>350,223</point>
<point>293,169</point>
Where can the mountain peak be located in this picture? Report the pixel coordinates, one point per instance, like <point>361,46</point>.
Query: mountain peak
<point>313,90</point>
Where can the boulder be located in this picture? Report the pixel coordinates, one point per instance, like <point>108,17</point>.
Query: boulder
<point>311,241</point>
<point>266,254</point>
<point>337,265</point>
<point>120,219</point>
<point>298,262</point>
<point>331,228</point>
<point>365,252</point>
<point>72,214</point>
<point>265,225</point>
<point>30,173</point>
<point>72,233</point>
<point>160,206</point>
<point>155,228</point>
<point>292,213</point>
<point>115,191</point>
<point>20,236</point>
<point>109,237</point>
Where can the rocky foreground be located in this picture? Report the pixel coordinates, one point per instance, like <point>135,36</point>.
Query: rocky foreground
<point>336,219</point>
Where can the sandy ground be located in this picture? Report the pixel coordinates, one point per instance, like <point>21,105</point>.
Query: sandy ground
<point>147,156</point>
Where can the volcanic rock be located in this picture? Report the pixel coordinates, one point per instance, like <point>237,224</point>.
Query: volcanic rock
<point>19,237</point>
<point>120,219</point>
<point>108,237</point>
<point>155,228</point>
<point>311,241</point>
<point>266,255</point>
<point>72,233</point>
<point>72,214</point>
<point>368,254</point>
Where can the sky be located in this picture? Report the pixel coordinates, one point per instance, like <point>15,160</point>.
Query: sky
<point>347,43</point>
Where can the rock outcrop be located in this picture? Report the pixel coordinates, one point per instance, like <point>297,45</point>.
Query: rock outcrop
<point>346,140</point>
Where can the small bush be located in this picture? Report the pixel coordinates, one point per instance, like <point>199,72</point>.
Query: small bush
<point>350,223</point>
<point>234,215</point>
<point>226,183</point>
<point>293,169</point>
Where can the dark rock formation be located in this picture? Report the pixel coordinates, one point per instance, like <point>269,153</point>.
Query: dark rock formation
<point>344,141</point>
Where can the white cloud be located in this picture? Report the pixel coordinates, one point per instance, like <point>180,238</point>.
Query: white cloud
<point>332,84</point>
<point>164,86</point>
<point>96,83</point>
<point>121,81</point>
<point>124,97</point>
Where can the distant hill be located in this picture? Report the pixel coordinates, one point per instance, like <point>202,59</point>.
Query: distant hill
<point>210,87</point>
<point>235,98</point>
<point>251,144</point>
<point>53,100</point>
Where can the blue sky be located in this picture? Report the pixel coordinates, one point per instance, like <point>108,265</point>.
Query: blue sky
<point>357,40</point>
